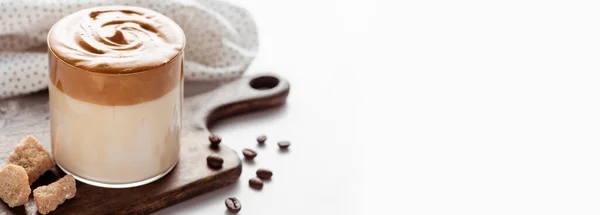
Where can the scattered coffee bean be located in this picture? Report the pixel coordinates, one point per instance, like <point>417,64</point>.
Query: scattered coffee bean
<point>261,139</point>
<point>214,161</point>
<point>249,154</point>
<point>256,183</point>
<point>233,204</point>
<point>214,141</point>
<point>284,144</point>
<point>264,174</point>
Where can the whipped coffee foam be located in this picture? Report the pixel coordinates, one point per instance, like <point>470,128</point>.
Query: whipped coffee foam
<point>116,39</point>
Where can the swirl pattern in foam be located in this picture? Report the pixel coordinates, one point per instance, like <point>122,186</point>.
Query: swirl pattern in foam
<point>116,39</point>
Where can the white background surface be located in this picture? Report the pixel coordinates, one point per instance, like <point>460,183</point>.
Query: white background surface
<point>425,107</point>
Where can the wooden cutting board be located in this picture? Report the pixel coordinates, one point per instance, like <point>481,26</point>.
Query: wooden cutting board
<point>28,115</point>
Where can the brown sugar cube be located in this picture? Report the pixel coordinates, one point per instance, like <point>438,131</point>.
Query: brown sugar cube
<point>47,198</point>
<point>14,186</point>
<point>32,156</point>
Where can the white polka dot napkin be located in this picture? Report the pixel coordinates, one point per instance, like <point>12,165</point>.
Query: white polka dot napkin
<point>221,38</point>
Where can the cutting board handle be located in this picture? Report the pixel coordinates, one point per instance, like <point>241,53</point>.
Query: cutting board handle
<point>246,94</point>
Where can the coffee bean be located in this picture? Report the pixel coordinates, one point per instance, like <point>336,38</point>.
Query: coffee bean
<point>284,144</point>
<point>233,204</point>
<point>256,183</point>
<point>264,173</point>
<point>249,154</point>
<point>214,161</point>
<point>214,141</point>
<point>261,139</point>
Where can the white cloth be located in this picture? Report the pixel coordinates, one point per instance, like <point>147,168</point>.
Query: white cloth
<point>221,39</point>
